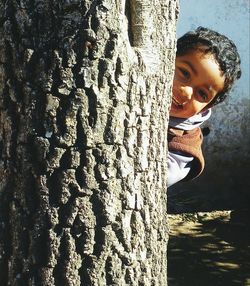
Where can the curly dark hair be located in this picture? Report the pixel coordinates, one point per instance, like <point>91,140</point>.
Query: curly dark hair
<point>223,50</point>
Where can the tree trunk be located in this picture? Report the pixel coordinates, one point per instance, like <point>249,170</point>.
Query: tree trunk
<point>84,94</point>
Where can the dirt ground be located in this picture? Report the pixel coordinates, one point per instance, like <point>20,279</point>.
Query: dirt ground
<point>209,248</point>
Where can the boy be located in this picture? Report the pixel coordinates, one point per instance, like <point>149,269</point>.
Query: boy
<point>207,65</point>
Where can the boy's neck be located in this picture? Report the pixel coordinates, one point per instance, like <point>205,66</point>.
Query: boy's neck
<point>191,122</point>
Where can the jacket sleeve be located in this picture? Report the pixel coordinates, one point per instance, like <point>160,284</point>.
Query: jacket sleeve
<point>179,166</point>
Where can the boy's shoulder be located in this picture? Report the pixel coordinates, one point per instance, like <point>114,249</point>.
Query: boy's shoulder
<point>188,143</point>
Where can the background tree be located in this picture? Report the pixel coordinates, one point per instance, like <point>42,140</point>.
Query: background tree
<point>84,93</point>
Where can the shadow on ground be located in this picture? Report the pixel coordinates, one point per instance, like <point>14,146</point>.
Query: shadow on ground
<point>209,248</point>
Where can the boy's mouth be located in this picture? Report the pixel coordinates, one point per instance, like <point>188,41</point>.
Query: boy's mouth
<point>176,102</point>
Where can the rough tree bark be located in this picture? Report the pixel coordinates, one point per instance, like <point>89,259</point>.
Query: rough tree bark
<point>84,93</point>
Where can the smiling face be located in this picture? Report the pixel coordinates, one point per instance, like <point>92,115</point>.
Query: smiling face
<point>197,81</point>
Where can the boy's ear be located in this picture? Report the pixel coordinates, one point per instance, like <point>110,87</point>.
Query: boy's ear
<point>210,104</point>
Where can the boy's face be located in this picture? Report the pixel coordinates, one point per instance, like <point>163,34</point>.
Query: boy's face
<point>197,80</point>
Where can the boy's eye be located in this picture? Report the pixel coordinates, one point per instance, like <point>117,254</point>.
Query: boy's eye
<point>184,73</point>
<point>203,94</point>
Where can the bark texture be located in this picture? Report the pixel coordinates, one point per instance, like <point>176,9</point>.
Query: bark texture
<point>84,93</point>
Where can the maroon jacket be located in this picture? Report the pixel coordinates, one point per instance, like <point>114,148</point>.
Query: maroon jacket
<point>188,142</point>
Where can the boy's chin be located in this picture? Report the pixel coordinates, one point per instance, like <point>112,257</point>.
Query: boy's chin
<point>178,114</point>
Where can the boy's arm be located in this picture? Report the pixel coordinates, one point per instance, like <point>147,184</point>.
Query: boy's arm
<point>178,167</point>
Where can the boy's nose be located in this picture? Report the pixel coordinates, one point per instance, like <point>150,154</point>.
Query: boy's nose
<point>187,91</point>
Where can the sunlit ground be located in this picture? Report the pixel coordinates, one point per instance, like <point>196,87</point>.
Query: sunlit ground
<point>211,248</point>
